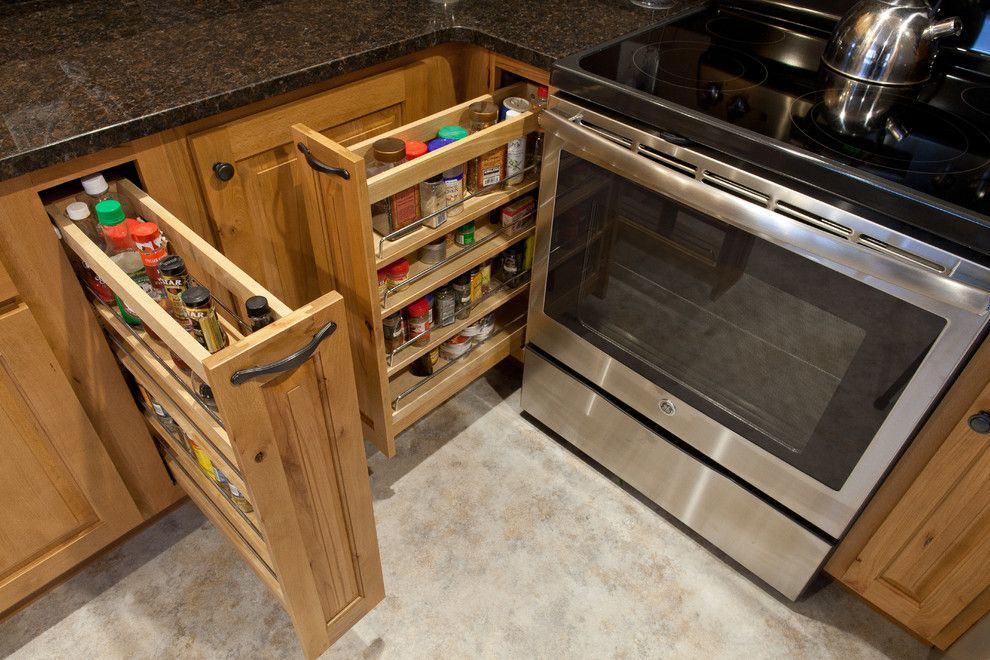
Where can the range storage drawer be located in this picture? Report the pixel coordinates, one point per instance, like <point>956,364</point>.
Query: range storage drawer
<point>276,460</point>
<point>350,251</point>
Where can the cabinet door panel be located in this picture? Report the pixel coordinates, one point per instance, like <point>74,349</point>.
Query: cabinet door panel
<point>63,498</point>
<point>259,214</point>
<point>929,562</point>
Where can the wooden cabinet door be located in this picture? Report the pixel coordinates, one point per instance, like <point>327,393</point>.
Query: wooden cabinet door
<point>928,564</point>
<point>63,500</point>
<point>259,213</point>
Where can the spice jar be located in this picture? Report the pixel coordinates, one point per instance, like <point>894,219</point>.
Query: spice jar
<point>152,246</point>
<point>435,252</point>
<point>382,282</point>
<point>175,280</point>
<point>390,213</point>
<point>418,321</point>
<point>453,179</point>
<point>202,459</point>
<point>486,172</point>
<point>445,304</point>
<point>515,151</point>
<point>475,276</point>
<point>511,262</point>
<point>258,311</point>
<point>425,364</point>
<point>529,249</point>
<point>432,193</point>
<point>465,234</point>
<point>206,324</point>
<point>396,273</point>
<point>79,213</point>
<point>395,332</point>
<point>515,215</point>
<point>486,278</point>
<point>455,347</point>
<point>462,296</point>
<point>481,330</point>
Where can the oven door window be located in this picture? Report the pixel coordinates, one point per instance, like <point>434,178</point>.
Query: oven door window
<point>787,353</point>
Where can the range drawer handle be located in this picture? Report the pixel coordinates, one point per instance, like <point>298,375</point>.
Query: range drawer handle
<point>287,363</point>
<point>321,166</point>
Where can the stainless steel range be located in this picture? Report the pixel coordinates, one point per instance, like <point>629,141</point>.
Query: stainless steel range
<point>738,309</point>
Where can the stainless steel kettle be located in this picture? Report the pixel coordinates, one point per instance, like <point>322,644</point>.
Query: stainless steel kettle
<point>888,42</point>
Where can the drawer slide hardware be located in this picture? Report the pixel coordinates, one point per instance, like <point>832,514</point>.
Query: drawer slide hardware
<point>320,166</point>
<point>287,363</point>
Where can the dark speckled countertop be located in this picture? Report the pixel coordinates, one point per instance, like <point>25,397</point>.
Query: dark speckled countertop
<point>86,75</point>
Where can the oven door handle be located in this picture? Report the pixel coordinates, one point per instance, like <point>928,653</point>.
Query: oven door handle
<point>846,255</point>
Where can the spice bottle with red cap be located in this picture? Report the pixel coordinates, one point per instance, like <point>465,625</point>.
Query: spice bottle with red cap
<point>418,321</point>
<point>151,245</point>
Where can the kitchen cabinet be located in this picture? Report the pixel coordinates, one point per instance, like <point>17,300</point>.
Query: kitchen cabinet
<point>283,429</point>
<point>349,253</point>
<point>921,550</point>
<point>245,167</point>
<point>63,498</point>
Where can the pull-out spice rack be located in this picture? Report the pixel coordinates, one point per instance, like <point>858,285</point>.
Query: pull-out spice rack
<point>285,431</point>
<point>349,252</point>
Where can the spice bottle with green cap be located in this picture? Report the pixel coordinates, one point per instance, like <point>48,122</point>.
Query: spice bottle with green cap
<point>453,179</point>
<point>120,248</point>
<point>206,326</point>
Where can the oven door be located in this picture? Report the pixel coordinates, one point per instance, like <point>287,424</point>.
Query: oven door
<point>792,343</point>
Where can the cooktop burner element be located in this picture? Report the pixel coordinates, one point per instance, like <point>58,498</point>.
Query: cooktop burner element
<point>751,86</point>
<point>978,98</point>
<point>744,31</point>
<point>916,139</point>
<point>699,66</point>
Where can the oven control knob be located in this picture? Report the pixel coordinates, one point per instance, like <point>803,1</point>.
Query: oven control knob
<point>667,407</point>
<point>980,422</point>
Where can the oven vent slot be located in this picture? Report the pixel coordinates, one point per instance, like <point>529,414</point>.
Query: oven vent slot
<point>816,221</point>
<point>899,253</point>
<point>608,135</point>
<point>736,189</point>
<point>666,160</point>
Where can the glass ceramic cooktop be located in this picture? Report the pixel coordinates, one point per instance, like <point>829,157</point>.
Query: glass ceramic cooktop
<point>766,76</point>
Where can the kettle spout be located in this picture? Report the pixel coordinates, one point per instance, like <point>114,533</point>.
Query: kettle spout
<point>945,28</point>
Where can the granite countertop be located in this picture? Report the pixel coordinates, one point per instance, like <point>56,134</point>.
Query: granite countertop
<point>86,75</point>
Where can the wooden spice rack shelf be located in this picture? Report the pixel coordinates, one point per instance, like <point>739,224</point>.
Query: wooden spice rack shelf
<point>439,335</point>
<point>474,208</point>
<point>311,536</point>
<point>339,211</point>
<point>245,524</point>
<point>456,264</point>
<point>507,337</point>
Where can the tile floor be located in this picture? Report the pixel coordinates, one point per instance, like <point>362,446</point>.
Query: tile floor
<point>496,542</point>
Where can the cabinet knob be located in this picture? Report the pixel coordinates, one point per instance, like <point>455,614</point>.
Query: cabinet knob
<point>980,422</point>
<point>223,171</point>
